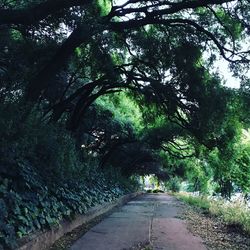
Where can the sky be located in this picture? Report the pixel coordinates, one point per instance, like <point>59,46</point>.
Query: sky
<point>221,66</point>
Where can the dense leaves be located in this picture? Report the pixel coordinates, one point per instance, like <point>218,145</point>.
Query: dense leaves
<point>28,204</point>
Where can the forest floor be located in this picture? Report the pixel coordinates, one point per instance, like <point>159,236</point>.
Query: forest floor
<point>154,222</point>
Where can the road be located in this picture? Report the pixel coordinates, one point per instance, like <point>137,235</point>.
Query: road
<point>151,220</point>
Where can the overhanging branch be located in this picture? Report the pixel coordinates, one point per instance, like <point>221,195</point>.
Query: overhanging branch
<point>164,8</point>
<point>41,81</point>
<point>38,12</point>
<point>132,24</point>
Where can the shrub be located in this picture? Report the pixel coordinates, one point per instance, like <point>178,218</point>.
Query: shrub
<point>233,213</point>
<point>158,191</point>
<point>44,177</point>
<point>32,204</point>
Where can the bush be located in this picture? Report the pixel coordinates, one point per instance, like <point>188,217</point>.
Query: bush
<point>45,176</point>
<point>32,204</point>
<point>47,147</point>
<point>158,191</point>
<point>233,213</point>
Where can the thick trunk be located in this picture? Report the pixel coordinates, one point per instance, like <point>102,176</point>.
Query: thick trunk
<point>80,35</point>
<point>83,104</point>
<point>80,109</point>
<point>60,107</point>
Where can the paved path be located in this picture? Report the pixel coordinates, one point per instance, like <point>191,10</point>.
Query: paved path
<point>150,219</point>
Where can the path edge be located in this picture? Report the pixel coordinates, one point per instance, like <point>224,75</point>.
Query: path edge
<point>44,239</point>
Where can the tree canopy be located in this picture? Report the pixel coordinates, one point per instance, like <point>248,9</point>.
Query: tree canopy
<point>85,65</point>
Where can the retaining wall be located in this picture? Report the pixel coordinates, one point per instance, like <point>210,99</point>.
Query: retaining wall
<point>44,239</point>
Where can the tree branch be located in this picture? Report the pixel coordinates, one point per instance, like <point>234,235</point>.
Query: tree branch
<point>132,24</point>
<point>42,79</point>
<point>179,156</point>
<point>175,7</point>
<point>38,12</point>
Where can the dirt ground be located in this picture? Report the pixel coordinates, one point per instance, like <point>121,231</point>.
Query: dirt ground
<point>216,234</point>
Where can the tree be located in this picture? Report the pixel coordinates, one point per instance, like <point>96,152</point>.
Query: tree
<point>60,57</point>
<point>211,23</point>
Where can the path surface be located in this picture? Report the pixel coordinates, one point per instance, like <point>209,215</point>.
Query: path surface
<point>150,219</point>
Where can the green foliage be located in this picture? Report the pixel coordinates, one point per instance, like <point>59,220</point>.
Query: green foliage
<point>235,214</point>
<point>200,202</point>
<point>45,175</point>
<point>199,176</point>
<point>233,28</point>
<point>104,6</point>
<point>230,167</point>
<point>174,184</point>
<point>124,109</point>
<point>241,171</point>
<point>48,147</point>
<point>32,204</point>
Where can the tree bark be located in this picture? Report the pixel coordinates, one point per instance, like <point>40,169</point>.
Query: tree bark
<point>80,35</point>
<point>60,107</point>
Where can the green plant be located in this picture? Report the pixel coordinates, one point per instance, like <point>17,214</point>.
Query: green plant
<point>233,213</point>
<point>33,204</point>
<point>201,202</point>
<point>174,184</point>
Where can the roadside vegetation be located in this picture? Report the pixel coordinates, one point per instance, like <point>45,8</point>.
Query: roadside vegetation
<point>234,213</point>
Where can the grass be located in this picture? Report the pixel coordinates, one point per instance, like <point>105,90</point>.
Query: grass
<point>235,214</point>
<point>201,202</point>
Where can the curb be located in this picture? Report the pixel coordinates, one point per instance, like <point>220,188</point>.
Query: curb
<point>44,239</point>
